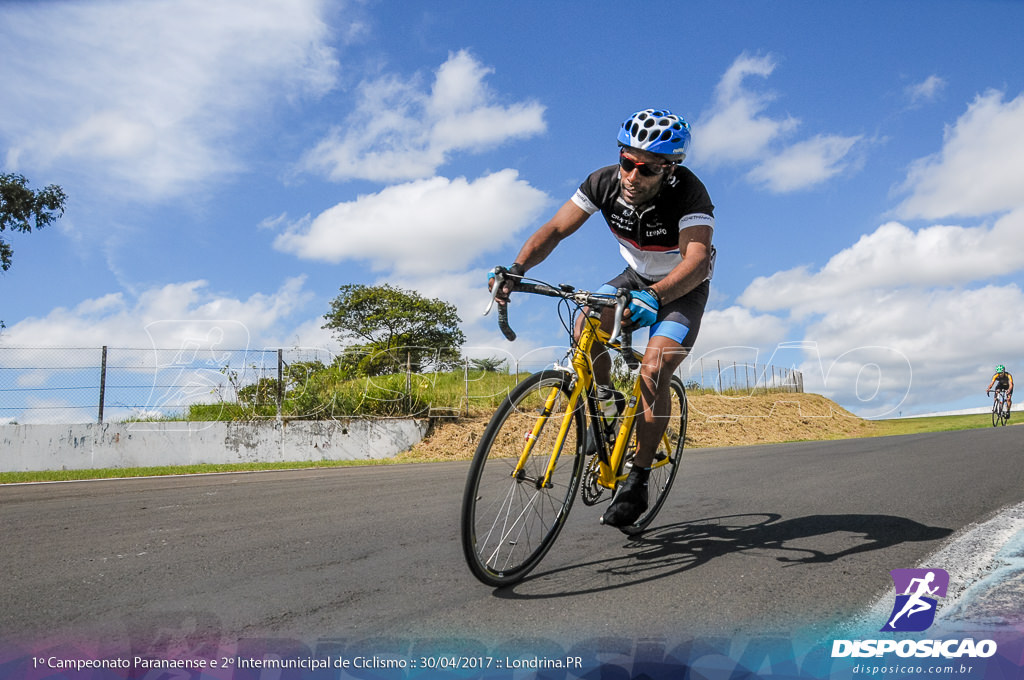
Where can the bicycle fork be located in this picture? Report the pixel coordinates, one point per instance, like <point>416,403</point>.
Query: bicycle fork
<point>519,472</point>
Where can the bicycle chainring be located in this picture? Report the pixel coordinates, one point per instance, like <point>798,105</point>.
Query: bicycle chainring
<point>590,490</point>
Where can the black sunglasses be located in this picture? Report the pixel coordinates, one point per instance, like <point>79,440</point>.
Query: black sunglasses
<point>646,169</point>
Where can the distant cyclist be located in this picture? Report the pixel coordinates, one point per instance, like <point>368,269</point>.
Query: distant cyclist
<point>1002,381</point>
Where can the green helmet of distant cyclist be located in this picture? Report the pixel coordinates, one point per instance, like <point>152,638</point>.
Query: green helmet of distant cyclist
<point>1000,369</point>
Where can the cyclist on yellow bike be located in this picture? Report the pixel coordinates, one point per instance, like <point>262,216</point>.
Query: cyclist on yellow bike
<point>662,217</point>
<point>1002,381</point>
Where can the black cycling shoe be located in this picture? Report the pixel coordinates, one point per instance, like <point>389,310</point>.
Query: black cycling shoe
<point>630,502</point>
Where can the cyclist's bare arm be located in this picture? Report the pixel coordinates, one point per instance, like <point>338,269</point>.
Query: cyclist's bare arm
<point>695,249</point>
<point>565,222</point>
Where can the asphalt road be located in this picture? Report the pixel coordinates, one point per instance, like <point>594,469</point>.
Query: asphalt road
<point>754,540</point>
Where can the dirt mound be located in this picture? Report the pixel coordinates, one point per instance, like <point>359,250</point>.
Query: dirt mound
<point>715,420</point>
<point>768,418</point>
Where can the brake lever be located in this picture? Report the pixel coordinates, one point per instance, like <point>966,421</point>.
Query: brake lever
<point>622,335</point>
<point>498,276</point>
<point>621,300</point>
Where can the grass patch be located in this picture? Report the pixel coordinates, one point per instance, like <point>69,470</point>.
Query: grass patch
<point>328,393</point>
<point>897,426</point>
<point>163,471</point>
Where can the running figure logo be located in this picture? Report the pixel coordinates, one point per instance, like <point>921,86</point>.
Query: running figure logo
<point>914,610</point>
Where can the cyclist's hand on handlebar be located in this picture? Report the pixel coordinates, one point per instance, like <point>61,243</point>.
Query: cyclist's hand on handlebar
<point>508,284</point>
<point>643,309</point>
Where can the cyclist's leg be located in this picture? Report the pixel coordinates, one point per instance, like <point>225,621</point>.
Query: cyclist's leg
<point>662,358</point>
<point>672,337</point>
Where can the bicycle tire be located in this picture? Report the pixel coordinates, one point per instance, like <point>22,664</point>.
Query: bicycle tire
<point>508,524</point>
<point>671,447</point>
<point>997,413</point>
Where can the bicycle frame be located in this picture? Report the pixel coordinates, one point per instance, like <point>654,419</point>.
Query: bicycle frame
<point>518,493</point>
<point>609,464</point>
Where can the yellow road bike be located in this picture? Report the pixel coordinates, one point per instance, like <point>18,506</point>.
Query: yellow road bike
<point>549,441</point>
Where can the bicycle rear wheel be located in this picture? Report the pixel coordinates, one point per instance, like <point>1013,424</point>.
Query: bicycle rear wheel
<point>666,459</point>
<point>510,520</point>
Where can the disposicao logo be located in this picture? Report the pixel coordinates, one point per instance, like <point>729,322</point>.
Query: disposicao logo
<point>912,612</point>
<point>916,590</point>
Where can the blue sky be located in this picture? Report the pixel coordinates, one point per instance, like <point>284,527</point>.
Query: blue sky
<point>239,161</point>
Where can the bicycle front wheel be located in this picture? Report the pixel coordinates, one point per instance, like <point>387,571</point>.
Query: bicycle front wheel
<point>666,459</point>
<point>512,509</point>
<point>997,413</point>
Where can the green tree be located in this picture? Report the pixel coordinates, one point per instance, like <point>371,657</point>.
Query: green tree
<point>386,327</point>
<point>488,365</point>
<point>22,208</point>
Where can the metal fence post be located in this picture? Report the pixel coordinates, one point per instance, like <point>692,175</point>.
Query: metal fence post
<point>280,380</point>
<point>103,383</point>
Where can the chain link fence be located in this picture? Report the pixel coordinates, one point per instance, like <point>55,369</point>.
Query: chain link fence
<point>108,384</point>
<point>728,377</point>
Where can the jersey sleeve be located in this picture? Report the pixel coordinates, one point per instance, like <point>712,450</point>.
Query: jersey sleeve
<point>700,210</point>
<point>598,190</point>
<point>583,202</point>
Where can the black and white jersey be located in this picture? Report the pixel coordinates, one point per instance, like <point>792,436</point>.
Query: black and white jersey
<point>648,235</point>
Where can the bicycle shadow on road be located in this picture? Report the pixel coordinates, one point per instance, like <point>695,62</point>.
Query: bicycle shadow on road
<point>677,548</point>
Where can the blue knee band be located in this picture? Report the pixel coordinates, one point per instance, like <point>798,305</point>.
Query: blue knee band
<point>673,330</point>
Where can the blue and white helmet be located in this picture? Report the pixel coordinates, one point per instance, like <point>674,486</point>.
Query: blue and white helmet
<point>658,131</point>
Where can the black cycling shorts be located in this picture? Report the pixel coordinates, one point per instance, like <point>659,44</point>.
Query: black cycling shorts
<point>678,320</point>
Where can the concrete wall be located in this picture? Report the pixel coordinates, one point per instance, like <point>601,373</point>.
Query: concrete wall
<point>75,447</point>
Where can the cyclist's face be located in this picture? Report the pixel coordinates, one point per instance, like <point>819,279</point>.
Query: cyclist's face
<point>642,181</point>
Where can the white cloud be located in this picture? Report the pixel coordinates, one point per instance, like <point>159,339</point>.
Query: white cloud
<point>141,97</point>
<point>399,131</point>
<point>426,226</point>
<point>880,351</point>
<point>805,164</point>
<point>925,91</point>
<point>978,170</point>
<point>892,257</point>
<point>172,316</point>
<point>916,346</point>
<point>905,317</point>
<point>736,327</point>
<point>736,129</point>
